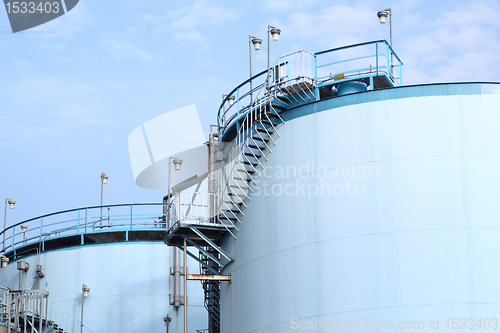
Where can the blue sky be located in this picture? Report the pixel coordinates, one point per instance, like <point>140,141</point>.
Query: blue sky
<point>73,91</point>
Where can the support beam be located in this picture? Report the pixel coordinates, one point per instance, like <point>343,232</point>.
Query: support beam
<point>209,277</point>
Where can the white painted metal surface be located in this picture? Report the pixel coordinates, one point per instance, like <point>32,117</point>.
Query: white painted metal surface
<point>401,225</point>
<point>129,286</point>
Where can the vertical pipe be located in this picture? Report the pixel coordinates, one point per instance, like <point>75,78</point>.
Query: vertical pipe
<point>33,313</point>
<point>185,286</point>
<point>177,277</point>
<point>4,223</point>
<point>41,314</point>
<point>390,28</point>
<point>169,207</point>
<point>268,60</point>
<point>250,57</point>
<point>102,185</point>
<point>81,320</point>
<point>20,279</point>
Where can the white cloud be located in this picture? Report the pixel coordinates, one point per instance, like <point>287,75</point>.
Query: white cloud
<point>334,26</point>
<point>185,23</point>
<point>289,4</point>
<point>76,20</point>
<point>125,50</point>
<point>460,45</point>
<point>55,118</point>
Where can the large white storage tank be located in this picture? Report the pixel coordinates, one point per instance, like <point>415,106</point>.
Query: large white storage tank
<point>121,257</point>
<point>377,209</point>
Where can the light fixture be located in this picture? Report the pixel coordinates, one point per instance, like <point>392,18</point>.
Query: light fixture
<point>104,178</point>
<point>85,290</point>
<point>12,202</point>
<point>382,16</point>
<point>275,32</point>
<point>24,227</point>
<point>177,163</point>
<point>256,43</point>
<point>231,99</point>
<point>4,261</point>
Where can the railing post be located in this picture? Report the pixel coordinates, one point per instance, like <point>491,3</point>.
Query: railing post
<point>387,56</point>
<point>400,75</point>
<point>131,217</point>
<point>78,223</point>
<point>86,220</point>
<point>316,89</point>
<point>376,55</point>
<point>13,234</point>
<point>238,107</point>
<point>41,225</point>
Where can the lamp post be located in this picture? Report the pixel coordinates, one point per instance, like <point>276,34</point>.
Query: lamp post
<point>256,44</point>
<point>85,293</point>
<point>104,180</point>
<point>382,15</point>
<point>275,33</point>
<point>11,203</point>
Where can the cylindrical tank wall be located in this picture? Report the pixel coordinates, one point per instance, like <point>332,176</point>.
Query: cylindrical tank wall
<point>378,208</point>
<point>129,286</point>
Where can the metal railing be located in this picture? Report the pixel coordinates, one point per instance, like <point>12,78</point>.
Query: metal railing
<point>31,311</point>
<point>304,73</point>
<point>359,61</point>
<point>193,208</point>
<point>85,220</point>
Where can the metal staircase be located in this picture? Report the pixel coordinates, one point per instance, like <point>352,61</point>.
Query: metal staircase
<point>238,172</point>
<point>244,146</point>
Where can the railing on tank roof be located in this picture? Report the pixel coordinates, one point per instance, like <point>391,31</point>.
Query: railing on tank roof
<point>364,61</point>
<point>85,220</point>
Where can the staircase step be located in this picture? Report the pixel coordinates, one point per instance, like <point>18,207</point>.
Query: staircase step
<point>245,170</point>
<point>255,147</point>
<point>229,202</point>
<point>283,99</point>
<point>248,163</point>
<point>252,155</point>
<point>264,130</point>
<point>272,114</point>
<point>229,218</point>
<point>278,107</point>
<point>239,187</point>
<point>239,178</point>
<point>265,122</point>
<point>258,138</point>
<point>240,197</point>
